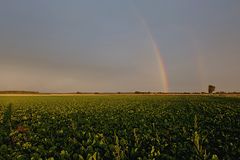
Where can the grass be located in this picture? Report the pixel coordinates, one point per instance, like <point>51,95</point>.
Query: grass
<point>120,127</point>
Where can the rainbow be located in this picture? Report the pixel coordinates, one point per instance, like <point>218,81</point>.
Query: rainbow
<point>200,63</point>
<point>156,50</point>
<point>162,68</point>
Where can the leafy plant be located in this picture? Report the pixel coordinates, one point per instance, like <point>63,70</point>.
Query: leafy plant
<point>120,127</point>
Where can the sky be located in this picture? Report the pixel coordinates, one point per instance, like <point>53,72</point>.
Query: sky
<point>112,45</point>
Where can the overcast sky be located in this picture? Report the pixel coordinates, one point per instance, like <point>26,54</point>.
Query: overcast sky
<point>102,45</point>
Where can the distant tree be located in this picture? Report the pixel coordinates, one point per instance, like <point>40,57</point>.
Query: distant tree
<point>137,92</point>
<point>211,88</point>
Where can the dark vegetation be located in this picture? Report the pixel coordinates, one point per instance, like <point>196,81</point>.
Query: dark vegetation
<point>120,127</point>
<point>19,92</point>
<point>135,92</point>
<point>211,88</point>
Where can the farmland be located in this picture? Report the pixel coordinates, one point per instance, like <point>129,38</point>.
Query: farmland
<point>120,127</point>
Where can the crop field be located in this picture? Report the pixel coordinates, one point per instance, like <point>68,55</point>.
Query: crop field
<point>119,127</point>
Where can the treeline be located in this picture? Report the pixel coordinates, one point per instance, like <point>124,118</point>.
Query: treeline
<point>221,92</point>
<point>19,92</point>
<point>135,92</point>
<point>148,92</point>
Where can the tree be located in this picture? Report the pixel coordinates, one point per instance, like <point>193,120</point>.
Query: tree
<point>211,88</point>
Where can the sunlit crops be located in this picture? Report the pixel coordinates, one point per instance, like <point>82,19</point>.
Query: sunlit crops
<point>120,127</point>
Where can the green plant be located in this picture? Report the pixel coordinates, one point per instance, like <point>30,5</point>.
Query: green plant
<point>120,127</point>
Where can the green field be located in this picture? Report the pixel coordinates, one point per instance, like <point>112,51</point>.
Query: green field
<point>120,127</point>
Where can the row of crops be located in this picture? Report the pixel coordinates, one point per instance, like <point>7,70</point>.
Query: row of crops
<point>119,127</point>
